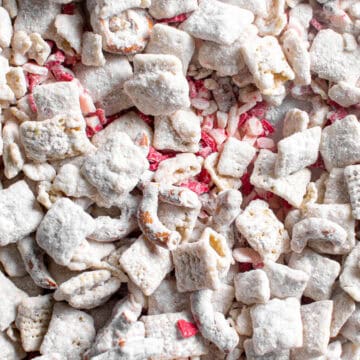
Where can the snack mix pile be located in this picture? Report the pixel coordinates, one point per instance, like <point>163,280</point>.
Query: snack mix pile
<point>180,179</point>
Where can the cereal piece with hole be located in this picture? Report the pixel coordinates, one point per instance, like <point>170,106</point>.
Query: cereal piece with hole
<point>352,179</point>
<point>322,235</point>
<point>60,98</point>
<point>166,9</point>
<point>222,182</point>
<point>164,327</point>
<point>32,320</point>
<point>252,287</point>
<point>212,325</point>
<point>316,319</point>
<point>91,51</point>
<point>351,329</point>
<point>33,258</point>
<point>295,50</point>
<point>349,278</point>
<point>179,131</point>
<point>336,188</point>
<point>340,143</point>
<point>331,61</point>
<point>20,213</point>
<point>63,228</point>
<point>297,151</point>
<point>168,40</point>
<point>295,120</point>
<point>11,261</point>
<point>88,289</point>
<point>60,137</point>
<point>116,166</point>
<point>267,64</point>
<point>158,86</point>
<point>178,169</point>
<point>13,152</point>
<point>322,271</point>
<point>277,326</point>
<point>344,94</point>
<point>70,332</point>
<point>10,299</point>
<point>235,157</point>
<point>252,355</point>
<point>284,281</point>
<point>292,188</point>
<point>146,264</point>
<point>202,264</point>
<point>264,232</point>
<point>344,306</point>
<point>217,22</point>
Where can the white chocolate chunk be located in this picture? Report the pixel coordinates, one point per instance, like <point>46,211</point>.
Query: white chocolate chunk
<point>264,232</point>
<point>63,228</point>
<point>322,272</point>
<point>20,213</point>
<point>297,151</point>
<point>292,188</point>
<point>277,326</point>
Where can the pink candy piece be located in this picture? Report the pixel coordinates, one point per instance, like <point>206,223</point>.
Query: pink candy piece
<point>196,186</point>
<point>186,328</point>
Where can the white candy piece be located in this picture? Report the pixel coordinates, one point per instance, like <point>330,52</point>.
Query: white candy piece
<point>179,131</point>
<point>88,290</point>
<point>296,52</point>
<point>284,281</point>
<point>57,138</point>
<point>63,228</point>
<point>352,178</point>
<point>146,264</point>
<point>264,232</point>
<point>235,157</point>
<point>164,327</point>
<point>20,213</point>
<point>158,86</point>
<point>292,188</point>
<point>165,9</point>
<point>331,61</point>
<point>267,64</point>
<point>322,235</point>
<point>295,121</point>
<point>70,332</point>
<point>32,320</point>
<point>322,271</point>
<point>316,318</point>
<point>202,264</point>
<point>168,40</point>
<point>297,151</point>
<point>91,52</point>
<point>217,22</point>
<point>178,169</point>
<point>344,306</point>
<point>349,278</point>
<point>60,98</point>
<point>252,287</point>
<point>277,326</point>
<point>6,30</point>
<point>10,299</point>
<point>336,188</point>
<point>340,143</point>
<point>116,166</point>
<point>345,94</point>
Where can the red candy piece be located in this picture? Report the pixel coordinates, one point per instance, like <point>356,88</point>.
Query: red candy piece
<point>268,128</point>
<point>315,24</point>
<point>33,80</point>
<point>155,158</point>
<point>246,187</point>
<point>243,119</point>
<point>196,186</point>
<point>177,18</point>
<point>244,267</point>
<point>32,103</point>
<point>259,110</point>
<point>209,141</point>
<point>186,328</point>
<point>60,74</point>
<point>204,176</point>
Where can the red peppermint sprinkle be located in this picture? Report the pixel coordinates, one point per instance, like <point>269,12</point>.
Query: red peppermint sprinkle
<point>100,113</point>
<point>209,141</point>
<point>243,119</point>
<point>246,187</point>
<point>155,158</point>
<point>337,114</point>
<point>32,103</point>
<point>318,164</point>
<point>60,74</point>
<point>187,328</point>
<point>316,25</point>
<point>68,9</point>
<point>259,110</point>
<point>244,267</point>
<point>177,18</point>
<point>196,186</point>
<point>259,265</point>
<point>204,176</point>
<point>268,127</point>
<point>33,80</point>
